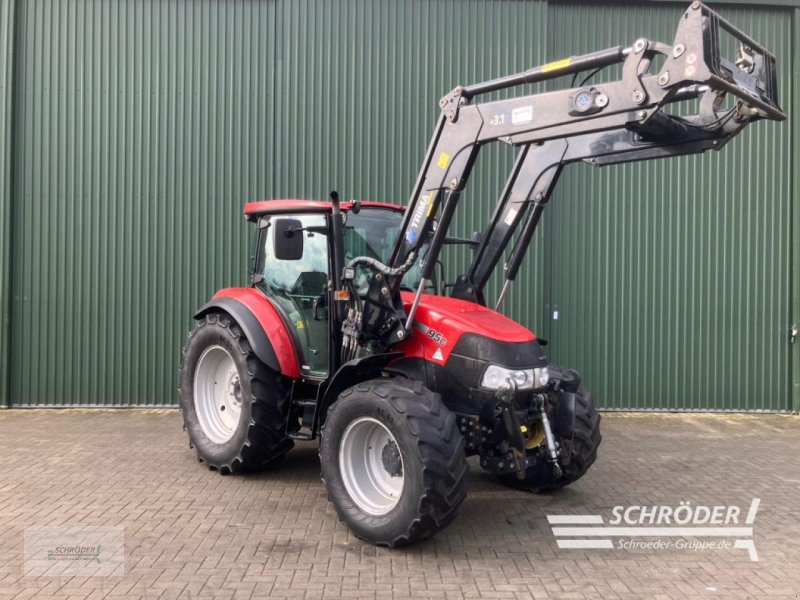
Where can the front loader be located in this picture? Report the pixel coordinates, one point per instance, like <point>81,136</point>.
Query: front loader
<point>344,332</point>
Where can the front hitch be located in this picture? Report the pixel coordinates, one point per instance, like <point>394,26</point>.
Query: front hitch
<point>552,450</point>
<point>516,454</point>
<point>510,427</point>
<point>516,441</point>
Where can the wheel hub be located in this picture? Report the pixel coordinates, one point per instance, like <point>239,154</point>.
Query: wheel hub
<point>390,457</point>
<point>371,465</point>
<point>217,394</point>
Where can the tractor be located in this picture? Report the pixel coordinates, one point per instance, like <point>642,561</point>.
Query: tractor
<point>348,333</point>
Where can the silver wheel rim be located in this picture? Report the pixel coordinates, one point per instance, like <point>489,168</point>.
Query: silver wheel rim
<point>372,466</point>
<point>217,394</point>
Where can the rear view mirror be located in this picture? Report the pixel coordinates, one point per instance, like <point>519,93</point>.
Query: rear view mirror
<point>288,237</point>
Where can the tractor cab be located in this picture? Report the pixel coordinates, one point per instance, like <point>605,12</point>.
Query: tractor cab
<point>293,264</point>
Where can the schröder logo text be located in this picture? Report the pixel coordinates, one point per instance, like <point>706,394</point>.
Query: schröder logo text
<point>684,514</point>
<point>669,526</point>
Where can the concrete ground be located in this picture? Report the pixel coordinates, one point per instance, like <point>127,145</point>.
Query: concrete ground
<point>191,533</point>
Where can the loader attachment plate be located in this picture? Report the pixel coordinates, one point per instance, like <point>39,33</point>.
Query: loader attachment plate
<point>708,49</point>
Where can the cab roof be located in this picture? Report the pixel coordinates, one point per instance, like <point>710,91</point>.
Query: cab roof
<point>253,210</point>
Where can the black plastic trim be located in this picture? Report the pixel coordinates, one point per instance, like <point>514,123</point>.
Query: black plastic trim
<point>524,355</point>
<point>255,334</point>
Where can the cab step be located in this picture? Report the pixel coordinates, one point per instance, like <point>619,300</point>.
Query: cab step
<point>303,434</point>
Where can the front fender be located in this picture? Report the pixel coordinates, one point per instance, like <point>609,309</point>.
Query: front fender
<point>351,373</point>
<point>262,325</point>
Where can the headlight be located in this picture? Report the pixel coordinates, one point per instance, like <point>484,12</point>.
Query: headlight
<point>495,377</point>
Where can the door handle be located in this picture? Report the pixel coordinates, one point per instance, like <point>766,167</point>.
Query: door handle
<point>318,302</point>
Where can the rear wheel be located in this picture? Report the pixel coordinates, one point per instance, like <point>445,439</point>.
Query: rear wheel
<point>234,407</point>
<point>393,461</point>
<point>579,442</point>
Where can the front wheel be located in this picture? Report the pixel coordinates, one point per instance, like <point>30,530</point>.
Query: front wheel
<point>393,461</point>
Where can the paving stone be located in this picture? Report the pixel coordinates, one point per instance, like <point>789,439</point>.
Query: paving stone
<point>192,534</point>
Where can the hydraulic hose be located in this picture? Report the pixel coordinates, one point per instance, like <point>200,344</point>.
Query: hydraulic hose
<point>381,268</point>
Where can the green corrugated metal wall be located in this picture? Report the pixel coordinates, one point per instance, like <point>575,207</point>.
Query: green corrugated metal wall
<point>141,127</point>
<point>6,73</point>
<point>679,277</point>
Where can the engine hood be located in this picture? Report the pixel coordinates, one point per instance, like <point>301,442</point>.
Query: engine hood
<point>444,325</point>
<point>453,343</point>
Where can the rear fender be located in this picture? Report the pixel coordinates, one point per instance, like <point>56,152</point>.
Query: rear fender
<point>262,325</point>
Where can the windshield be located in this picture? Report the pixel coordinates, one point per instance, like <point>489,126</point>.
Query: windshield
<point>373,232</point>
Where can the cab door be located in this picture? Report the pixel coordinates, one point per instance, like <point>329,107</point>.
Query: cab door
<point>298,285</point>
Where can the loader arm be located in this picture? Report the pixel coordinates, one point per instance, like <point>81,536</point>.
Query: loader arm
<point>602,124</point>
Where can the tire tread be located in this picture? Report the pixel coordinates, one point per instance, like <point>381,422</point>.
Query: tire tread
<point>265,442</point>
<point>441,448</point>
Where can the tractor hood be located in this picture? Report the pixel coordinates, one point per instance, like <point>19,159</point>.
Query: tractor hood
<point>447,326</point>
<point>455,341</point>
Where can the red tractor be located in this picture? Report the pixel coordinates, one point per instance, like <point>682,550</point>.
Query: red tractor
<point>344,332</point>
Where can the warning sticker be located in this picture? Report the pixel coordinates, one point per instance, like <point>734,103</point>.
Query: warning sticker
<point>438,354</point>
<point>556,65</point>
<point>444,160</point>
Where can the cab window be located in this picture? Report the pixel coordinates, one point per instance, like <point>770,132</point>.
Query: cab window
<point>299,286</point>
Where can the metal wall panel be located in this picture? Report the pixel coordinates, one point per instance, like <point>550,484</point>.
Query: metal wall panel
<point>795,210</point>
<point>671,279</point>
<point>6,79</point>
<point>146,125</point>
<point>142,126</point>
